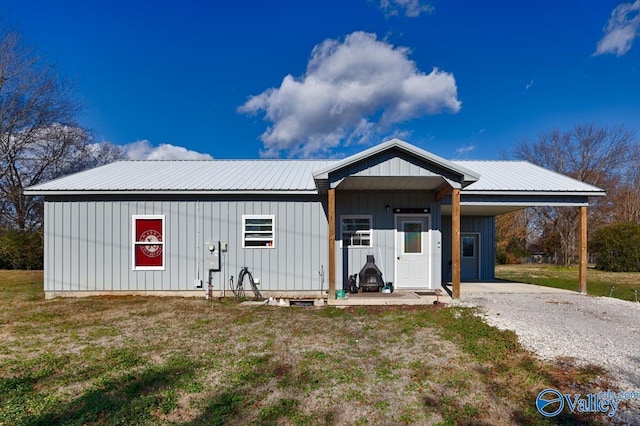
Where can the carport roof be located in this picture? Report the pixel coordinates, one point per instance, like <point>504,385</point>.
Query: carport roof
<point>521,177</point>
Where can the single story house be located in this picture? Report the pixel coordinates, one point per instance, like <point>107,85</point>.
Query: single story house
<point>302,227</point>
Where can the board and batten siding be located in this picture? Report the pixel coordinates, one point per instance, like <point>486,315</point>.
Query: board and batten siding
<point>88,244</point>
<point>485,227</point>
<point>350,260</point>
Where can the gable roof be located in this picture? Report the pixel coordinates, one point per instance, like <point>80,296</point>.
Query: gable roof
<point>481,178</point>
<point>425,165</point>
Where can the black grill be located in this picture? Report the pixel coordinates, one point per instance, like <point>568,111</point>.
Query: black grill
<point>370,277</point>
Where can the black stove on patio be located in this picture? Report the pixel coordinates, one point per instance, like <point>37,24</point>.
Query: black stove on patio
<point>370,277</point>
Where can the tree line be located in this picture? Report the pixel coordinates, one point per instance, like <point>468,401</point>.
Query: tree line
<point>606,157</point>
<point>40,140</point>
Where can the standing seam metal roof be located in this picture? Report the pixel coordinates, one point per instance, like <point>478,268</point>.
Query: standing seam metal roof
<point>521,176</point>
<point>284,176</point>
<point>184,175</point>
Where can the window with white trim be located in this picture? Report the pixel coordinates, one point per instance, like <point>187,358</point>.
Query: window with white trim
<point>148,242</point>
<point>258,231</point>
<point>356,230</point>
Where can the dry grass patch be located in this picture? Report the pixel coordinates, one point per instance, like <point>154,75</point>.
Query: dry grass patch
<point>192,361</point>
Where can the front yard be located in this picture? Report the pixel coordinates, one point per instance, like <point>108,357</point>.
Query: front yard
<point>152,360</point>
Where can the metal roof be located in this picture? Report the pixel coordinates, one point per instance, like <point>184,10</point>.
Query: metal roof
<point>291,176</point>
<point>522,177</point>
<point>214,176</point>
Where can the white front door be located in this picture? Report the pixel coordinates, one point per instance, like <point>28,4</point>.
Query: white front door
<point>412,257</point>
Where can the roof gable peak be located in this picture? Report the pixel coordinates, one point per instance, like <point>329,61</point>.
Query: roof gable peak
<point>457,174</point>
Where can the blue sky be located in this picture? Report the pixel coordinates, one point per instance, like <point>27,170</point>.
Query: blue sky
<point>250,79</point>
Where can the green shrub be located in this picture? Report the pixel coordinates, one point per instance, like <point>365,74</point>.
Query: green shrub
<point>617,247</point>
<point>501,257</point>
<point>20,250</point>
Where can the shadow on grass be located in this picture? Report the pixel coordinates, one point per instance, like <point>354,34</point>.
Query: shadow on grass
<point>125,390</point>
<point>126,399</point>
<point>141,397</point>
<point>229,407</point>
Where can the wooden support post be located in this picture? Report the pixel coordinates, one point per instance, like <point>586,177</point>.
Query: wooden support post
<point>455,234</point>
<point>332,243</point>
<point>582,272</point>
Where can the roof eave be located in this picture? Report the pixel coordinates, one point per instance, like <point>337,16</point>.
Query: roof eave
<point>507,192</point>
<point>169,192</point>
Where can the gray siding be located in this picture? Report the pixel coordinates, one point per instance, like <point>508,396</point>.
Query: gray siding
<point>350,260</point>
<point>88,243</point>
<point>483,225</point>
<point>394,163</point>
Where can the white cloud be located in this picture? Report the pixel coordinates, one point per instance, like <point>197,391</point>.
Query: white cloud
<point>144,150</point>
<point>465,149</point>
<point>352,91</point>
<point>529,85</point>
<point>410,8</point>
<point>621,29</point>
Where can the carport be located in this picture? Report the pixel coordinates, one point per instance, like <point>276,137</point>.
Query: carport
<point>457,192</point>
<point>506,189</point>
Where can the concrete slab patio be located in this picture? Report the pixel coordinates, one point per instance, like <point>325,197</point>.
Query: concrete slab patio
<point>401,297</point>
<point>378,299</point>
<point>505,287</point>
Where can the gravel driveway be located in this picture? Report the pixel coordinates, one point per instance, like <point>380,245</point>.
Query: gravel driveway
<point>595,330</point>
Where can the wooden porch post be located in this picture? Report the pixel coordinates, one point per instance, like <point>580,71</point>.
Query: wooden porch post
<point>582,272</point>
<point>332,243</point>
<point>455,234</point>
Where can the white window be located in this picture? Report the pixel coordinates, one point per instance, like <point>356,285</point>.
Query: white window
<point>356,231</point>
<point>258,231</point>
<point>148,242</point>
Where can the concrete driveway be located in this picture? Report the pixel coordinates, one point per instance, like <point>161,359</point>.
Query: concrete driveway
<point>508,288</point>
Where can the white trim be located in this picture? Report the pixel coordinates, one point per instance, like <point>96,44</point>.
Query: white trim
<point>426,247</point>
<point>168,192</point>
<point>541,192</point>
<point>135,243</point>
<point>272,240</point>
<point>357,216</point>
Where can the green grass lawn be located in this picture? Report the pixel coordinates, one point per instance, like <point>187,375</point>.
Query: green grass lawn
<point>599,283</point>
<point>153,360</point>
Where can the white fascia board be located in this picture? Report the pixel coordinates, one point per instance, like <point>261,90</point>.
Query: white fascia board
<point>537,193</point>
<point>524,204</point>
<point>160,192</point>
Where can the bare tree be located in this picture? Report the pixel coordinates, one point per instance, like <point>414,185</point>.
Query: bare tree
<point>39,137</point>
<point>627,194</point>
<point>51,152</point>
<point>595,155</point>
